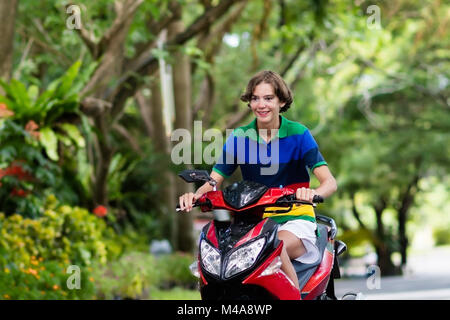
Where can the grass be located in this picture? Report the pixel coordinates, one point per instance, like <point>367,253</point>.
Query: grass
<point>175,294</point>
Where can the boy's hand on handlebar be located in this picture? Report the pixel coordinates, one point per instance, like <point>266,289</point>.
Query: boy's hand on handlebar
<point>305,194</point>
<point>187,201</point>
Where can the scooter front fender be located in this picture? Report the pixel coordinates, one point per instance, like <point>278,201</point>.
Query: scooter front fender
<point>277,283</point>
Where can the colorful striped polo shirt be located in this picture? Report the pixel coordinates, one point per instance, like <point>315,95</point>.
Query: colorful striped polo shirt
<point>283,161</point>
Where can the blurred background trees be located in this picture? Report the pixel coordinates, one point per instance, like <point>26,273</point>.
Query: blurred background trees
<point>105,94</point>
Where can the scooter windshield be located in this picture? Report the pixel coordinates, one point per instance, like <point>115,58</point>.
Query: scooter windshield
<point>243,193</point>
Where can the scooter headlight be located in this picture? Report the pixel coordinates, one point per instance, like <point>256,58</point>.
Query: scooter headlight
<point>244,257</point>
<point>210,258</point>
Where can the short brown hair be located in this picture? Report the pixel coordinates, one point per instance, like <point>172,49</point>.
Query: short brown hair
<point>280,87</point>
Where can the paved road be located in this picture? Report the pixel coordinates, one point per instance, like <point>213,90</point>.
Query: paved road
<point>427,278</point>
<point>399,288</point>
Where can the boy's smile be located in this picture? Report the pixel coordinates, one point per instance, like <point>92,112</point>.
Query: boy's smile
<point>266,106</point>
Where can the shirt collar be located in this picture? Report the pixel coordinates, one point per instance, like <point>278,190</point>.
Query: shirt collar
<point>282,131</point>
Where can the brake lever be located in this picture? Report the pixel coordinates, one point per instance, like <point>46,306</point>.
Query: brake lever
<point>178,209</point>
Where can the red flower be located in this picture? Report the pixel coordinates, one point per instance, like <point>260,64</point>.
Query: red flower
<point>31,127</point>
<point>19,193</point>
<point>15,169</point>
<point>4,111</point>
<point>100,211</point>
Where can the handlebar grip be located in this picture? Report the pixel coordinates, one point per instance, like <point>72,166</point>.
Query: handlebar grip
<point>178,209</point>
<point>318,199</point>
<point>291,197</point>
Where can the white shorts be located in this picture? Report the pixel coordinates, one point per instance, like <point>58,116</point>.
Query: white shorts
<point>306,231</point>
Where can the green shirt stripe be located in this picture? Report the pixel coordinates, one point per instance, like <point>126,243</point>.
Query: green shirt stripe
<point>283,219</point>
<point>220,172</point>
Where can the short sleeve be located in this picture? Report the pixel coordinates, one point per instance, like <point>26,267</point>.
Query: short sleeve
<point>310,152</point>
<point>227,162</point>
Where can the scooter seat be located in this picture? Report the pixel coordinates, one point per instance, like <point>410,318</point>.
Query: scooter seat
<point>306,270</point>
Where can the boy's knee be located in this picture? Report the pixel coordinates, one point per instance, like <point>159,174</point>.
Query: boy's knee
<point>293,245</point>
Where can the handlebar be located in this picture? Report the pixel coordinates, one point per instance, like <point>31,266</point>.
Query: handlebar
<point>178,209</point>
<point>290,199</point>
<point>293,199</point>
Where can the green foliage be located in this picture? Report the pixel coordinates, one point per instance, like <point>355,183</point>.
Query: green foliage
<point>34,137</point>
<point>356,240</point>
<point>176,294</point>
<point>176,272</point>
<point>441,236</point>
<point>71,235</point>
<point>134,185</point>
<point>136,275</point>
<point>43,280</point>
<point>58,99</point>
<point>29,171</point>
<point>34,253</point>
<point>131,277</point>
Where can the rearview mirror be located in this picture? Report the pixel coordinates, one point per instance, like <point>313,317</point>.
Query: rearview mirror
<point>194,175</point>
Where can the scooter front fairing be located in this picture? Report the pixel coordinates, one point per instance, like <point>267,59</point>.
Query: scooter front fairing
<point>241,261</point>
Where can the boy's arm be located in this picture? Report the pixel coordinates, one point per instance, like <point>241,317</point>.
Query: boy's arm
<point>327,182</point>
<point>207,187</point>
<point>326,188</point>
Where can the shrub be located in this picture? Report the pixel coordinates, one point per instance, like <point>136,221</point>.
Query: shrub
<point>136,275</point>
<point>25,174</point>
<point>175,270</point>
<point>133,276</point>
<point>71,235</point>
<point>43,280</point>
<point>35,252</point>
<point>38,143</point>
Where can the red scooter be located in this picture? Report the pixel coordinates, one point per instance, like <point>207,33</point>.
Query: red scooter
<point>239,251</point>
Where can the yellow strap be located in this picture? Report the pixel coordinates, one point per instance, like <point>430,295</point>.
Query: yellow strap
<point>297,210</point>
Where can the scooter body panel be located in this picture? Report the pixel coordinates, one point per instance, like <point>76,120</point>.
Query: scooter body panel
<point>318,282</point>
<point>262,278</point>
<point>277,284</point>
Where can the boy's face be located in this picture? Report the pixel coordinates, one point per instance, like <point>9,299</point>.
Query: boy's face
<point>265,104</point>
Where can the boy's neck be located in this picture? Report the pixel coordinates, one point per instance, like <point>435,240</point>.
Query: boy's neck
<point>265,130</point>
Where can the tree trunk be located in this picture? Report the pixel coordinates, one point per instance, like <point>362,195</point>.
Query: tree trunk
<point>382,247</point>
<point>8,11</point>
<point>110,68</point>
<point>161,144</point>
<point>146,113</point>
<point>407,201</point>
<point>183,119</point>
